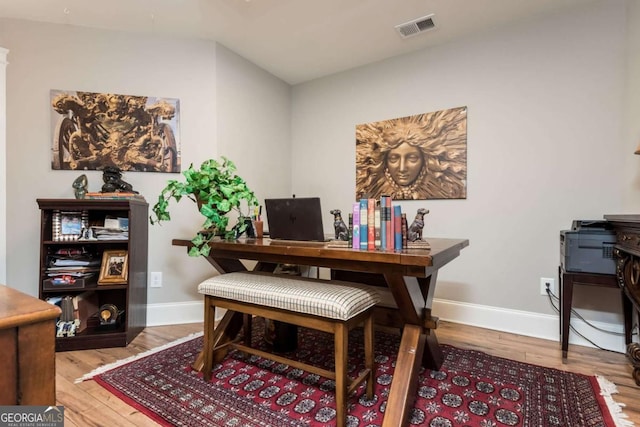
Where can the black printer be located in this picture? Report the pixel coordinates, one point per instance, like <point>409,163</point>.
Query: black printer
<point>588,247</point>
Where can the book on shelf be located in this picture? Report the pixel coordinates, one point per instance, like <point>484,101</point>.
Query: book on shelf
<point>356,225</point>
<point>110,234</point>
<point>114,195</point>
<point>350,241</point>
<point>378,226</point>
<point>388,223</point>
<point>364,234</point>
<point>383,223</point>
<point>371,224</point>
<point>397,227</point>
<point>71,262</point>
<point>85,305</point>
<point>78,307</point>
<point>62,262</point>
<point>333,243</point>
<point>403,224</point>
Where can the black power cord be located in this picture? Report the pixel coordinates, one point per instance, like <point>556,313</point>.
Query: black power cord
<point>554,298</point>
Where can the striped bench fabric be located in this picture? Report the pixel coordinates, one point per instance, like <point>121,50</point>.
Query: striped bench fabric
<point>329,299</point>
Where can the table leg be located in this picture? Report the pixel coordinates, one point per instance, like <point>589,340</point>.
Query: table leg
<point>566,296</point>
<point>405,377</point>
<point>232,322</point>
<point>433,356</point>
<point>227,330</point>
<point>633,354</point>
<point>418,346</point>
<point>627,313</point>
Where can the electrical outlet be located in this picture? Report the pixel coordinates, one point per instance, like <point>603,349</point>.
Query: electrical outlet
<point>546,281</point>
<point>155,279</point>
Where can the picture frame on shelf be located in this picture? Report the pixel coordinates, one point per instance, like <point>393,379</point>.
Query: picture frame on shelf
<point>114,268</point>
<point>68,226</point>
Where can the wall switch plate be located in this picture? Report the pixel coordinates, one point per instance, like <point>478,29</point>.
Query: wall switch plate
<point>544,281</point>
<point>155,279</point>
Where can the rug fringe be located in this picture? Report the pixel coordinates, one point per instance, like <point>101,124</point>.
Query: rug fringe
<point>110,366</point>
<point>607,388</point>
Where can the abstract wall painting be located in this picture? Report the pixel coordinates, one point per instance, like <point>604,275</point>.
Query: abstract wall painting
<point>133,133</point>
<point>416,157</point>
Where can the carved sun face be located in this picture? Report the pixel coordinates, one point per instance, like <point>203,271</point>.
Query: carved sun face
<point>405,163</point>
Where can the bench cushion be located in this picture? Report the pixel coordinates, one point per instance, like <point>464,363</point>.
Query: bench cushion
<point>325,298</point>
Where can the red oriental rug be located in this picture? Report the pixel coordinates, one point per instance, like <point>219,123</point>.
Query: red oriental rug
<point>471,389</point>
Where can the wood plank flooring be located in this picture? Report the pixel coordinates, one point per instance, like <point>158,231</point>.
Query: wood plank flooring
<point>88,404</point>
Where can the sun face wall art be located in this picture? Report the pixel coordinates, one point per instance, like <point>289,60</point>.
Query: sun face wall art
<point>416,157</point>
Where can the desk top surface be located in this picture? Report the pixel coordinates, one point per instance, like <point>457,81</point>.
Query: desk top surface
<point>441,252</point>
<point>17,308</point>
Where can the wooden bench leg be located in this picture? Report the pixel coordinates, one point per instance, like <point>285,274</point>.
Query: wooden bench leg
<point>369,356</point>
<point>341,344</point>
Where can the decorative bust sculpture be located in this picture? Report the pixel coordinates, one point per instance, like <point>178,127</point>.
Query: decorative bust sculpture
<point>113,183</point>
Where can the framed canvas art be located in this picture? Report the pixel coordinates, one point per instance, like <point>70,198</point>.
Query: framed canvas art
<point>413,158</point>
<point>133,133</point>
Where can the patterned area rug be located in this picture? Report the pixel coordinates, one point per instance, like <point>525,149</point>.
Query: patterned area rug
<point>471,389</point>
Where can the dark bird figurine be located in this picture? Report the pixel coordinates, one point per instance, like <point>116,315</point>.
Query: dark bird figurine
<point>342,232</point>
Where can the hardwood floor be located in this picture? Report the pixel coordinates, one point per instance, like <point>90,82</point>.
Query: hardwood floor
<point>88,404</point>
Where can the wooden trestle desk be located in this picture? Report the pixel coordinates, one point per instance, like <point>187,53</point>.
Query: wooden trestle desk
<point>410,275</point>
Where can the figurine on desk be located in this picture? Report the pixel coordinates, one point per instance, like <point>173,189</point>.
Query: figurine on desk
<point>415,230</point>
<point>342,232</point>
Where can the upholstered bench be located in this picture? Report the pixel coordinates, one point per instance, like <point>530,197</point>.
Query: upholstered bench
<point>330,306</point>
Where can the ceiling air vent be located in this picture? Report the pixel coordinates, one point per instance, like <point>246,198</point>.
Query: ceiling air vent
<point>416,26</point>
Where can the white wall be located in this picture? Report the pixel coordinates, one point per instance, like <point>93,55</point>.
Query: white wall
<point>632,110</point>
<point>545,113</point>
<point>46,56</point>
<point>254,123</point>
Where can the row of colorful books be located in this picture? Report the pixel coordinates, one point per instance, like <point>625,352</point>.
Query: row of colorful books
<point>377,224</point>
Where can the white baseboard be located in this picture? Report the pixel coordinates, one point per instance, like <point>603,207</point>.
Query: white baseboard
<point>526,323</point>
<point>175,313</point>
<point>530,324</point>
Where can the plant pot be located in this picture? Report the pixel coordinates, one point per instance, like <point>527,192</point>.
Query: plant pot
<point>251,232</point>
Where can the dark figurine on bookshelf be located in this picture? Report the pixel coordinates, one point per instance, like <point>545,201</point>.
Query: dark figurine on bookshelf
<point>342,232</point>
<point>415,230</point>
<point>80,186</point>
<point>113,182</point>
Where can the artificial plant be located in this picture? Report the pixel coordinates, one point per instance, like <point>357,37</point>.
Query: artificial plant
<point>217,190</point>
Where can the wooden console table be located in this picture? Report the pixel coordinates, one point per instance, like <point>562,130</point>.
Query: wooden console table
<point>410,275</point>
<point>627,253</point>
<point>27,359</point>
